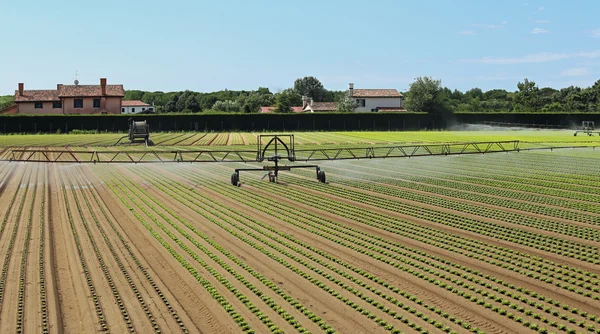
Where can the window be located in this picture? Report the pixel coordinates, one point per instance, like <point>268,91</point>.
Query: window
<point>143,109</point>
<point>360,102</point>
<point>122,110</point>
<point>132,110</point>
<point>151,109</point>
<point>96,103</point>
<point>78,103</point>
<point>57,105</point>
<point>39,105</point>
<point>374,110</point>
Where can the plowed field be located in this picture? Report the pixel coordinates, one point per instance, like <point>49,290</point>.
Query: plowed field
<point>498,243</point>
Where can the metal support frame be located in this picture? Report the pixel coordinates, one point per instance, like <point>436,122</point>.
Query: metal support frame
<point>273,148</point>
<point>281,152</point>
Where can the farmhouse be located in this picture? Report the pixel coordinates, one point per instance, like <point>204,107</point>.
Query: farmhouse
<point>376,99</point>
<point>367,100</point>
<point>70,99</point>
<point>135,107</point>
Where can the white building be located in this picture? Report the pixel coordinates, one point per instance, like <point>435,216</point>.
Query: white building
<point>368,100</point>
<point>374,100</point>
<point>135,107</point>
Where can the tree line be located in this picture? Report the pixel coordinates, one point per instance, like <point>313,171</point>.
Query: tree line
<point>427,94</point>
<point>236,101</point>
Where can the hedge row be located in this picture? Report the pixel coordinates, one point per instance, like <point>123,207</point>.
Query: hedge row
<point>276,122</point>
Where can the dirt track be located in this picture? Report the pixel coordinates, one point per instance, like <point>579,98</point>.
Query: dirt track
<point>176,248</point>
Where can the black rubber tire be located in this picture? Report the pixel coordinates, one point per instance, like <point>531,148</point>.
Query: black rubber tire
<point>321,177</point>
<point>318,170</point>
<point>235,179</point>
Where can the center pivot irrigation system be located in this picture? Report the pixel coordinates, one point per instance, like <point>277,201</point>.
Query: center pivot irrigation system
<point>274,148</point>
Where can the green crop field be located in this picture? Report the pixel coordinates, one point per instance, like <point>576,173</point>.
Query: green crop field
<point>478,243</point>
<point>200,139</point>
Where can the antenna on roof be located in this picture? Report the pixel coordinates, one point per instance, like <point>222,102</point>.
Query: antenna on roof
<point>76,82</point>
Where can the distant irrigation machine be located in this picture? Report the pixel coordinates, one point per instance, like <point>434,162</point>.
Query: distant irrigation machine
<point>588,128</point>
<point>273,148</point>
<point>138,131</point>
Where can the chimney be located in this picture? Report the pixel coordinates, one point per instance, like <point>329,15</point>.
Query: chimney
<point>103,85</point>
<point>21,88</point>
<point>58,86</point>
<point>304,101</point>
<point>350,89</point>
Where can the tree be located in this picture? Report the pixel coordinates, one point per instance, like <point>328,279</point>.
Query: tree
<point>311,87</point>
<point>425,95</point>
<point>227,106</point>
<point>192,104</point>
<point>285,101</point>
<point>346,104</point>
<point>527,98</point>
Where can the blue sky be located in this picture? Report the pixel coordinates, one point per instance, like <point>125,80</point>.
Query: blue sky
<point>213,45</point>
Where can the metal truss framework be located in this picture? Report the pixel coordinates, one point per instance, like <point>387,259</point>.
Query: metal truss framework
<point>248,156</point>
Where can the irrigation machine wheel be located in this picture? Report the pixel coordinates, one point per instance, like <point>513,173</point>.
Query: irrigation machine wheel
<point>318,170</point>
<point>321,176</point>
<point>235,179</point>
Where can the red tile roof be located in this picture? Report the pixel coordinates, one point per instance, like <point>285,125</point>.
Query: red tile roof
<point>376,93</point>
<point>134,103</point>
<point>322,106</point>
<point>37,95</point>
<point>10,110</point>
<point>272,109</point>
<point>90,91</point>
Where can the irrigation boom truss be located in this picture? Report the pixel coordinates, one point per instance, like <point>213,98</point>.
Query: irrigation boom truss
<point>272,148</point>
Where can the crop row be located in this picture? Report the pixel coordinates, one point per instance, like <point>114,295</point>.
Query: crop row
<point>522,201</point>
<point>539,181</point>
<point>197,201</point>
<point>17,218</point>
<point>120,264</point>
<point>117,189</point>
<point>470,278</point>
<point>94,196</point>
<point>42,262</point>
<point>88,276</point>
<point>381,186</point>
<point>537,267</point>
<point>422,276</point>
<point>24,255</point>
<point>176,193</point>
<point>269,301</point>
<point>546,243</point>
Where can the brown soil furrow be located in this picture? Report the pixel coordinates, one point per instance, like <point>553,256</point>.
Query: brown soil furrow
<point>150,296</point>
<point>276,318</point>
<point>429,293</point>
<point>54,304</point>
<point>32,298</point>
<point>182,140</point>
<point>352,257</point>
<point>17,223</point>
<point>210,142</point>
<point>293,284</point>
<point>113,314</point>
<point>204,311</point>
<point>78,310</point>
<point>197,140</point>
<point>132,306</point>
<point>467,234</point>
<point>572,298</point>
